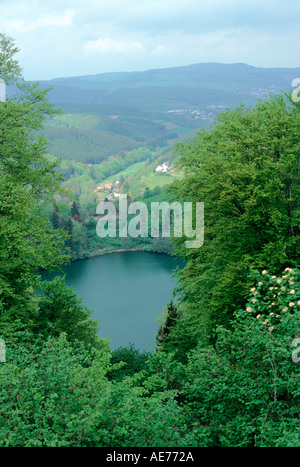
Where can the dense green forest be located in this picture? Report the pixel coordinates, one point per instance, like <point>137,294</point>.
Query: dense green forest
<point>80,224</point>
<point>225,372</point>
<point>83,139</point>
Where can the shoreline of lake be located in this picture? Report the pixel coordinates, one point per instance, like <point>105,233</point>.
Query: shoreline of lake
<point>122,250</point>
<point>127,293</point>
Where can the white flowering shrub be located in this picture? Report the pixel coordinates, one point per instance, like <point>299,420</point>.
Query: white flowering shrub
<point>275,300</point>
<point>244,390</point>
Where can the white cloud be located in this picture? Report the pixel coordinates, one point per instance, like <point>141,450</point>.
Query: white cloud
<point>160,50</point>
<point>62,38</point>
<point>104,46</point>
<point>20,25</point>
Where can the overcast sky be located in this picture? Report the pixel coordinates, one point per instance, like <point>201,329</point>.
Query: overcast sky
<point>70,37</point>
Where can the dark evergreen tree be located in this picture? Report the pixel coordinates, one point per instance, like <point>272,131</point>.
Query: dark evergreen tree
<point>75,209</point>
<point>55,218</point>
<point>170,321</point>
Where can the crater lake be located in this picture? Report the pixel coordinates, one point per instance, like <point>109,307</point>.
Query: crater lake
<point>127,292</point>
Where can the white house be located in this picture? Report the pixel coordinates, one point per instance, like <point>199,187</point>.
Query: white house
<point>162,168</point>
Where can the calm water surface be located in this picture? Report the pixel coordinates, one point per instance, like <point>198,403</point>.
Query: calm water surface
<point>127,293</point>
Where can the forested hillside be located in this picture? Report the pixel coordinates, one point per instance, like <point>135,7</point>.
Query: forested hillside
<point>108,114</point>
<point>225,371</point>
<point>188,87</point>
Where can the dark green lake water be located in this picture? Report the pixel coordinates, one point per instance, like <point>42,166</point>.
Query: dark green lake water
<point>127,293</point>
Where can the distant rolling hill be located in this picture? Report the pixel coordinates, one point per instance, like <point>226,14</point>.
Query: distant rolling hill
<point>158,90</point>
<point>152,108</point>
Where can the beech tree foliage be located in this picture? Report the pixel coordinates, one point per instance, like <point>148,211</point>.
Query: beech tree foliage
<point>28,180</point>
<point>246,171</point>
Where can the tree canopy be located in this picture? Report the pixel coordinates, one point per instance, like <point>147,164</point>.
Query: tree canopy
<point>246,171</point>
<point>28,180</point>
